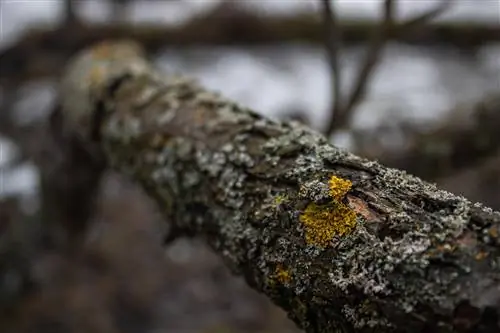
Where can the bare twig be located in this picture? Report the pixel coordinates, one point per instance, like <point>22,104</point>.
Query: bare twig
<point>70,16</point>
<point>371,60</point>
<point>427,16</point>
<point>372,57</point>
<point>121,10</point>
<point>342,116</point>
<point>333,37</point>
<point>39,53</point>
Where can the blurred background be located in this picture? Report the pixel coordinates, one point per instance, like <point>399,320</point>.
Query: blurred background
<point>414,84</point>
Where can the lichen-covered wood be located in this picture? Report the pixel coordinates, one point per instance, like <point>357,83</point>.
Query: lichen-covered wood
<point>343,244</point>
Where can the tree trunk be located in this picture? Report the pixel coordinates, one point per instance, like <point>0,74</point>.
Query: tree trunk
<point>343,244</point>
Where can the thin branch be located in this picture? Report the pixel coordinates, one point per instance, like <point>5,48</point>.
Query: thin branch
<point>375,50</point>
<point>39,53</point>
<point>427,16</point>
<point>372,58</point>
<point>70,16</point>
<point>367,69</point>
<point>333,37</point>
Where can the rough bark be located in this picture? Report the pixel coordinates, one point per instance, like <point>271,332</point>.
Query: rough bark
<point>343,244</point>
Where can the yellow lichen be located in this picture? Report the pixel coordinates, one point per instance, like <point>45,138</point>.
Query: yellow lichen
<point>279,199</point>
<point>282,275</point>
<point>323,222</point>
<point>339,187</point>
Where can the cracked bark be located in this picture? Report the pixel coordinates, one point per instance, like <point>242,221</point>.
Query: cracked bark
<point>417,259</point>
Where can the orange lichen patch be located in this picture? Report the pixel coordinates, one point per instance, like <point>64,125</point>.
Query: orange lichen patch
<point>361,207</point>
<point>446,248</point>
<point>282,274</point>
<point>439,249</point>
<point>481,255</point>
<point>493,232</point>
<point>323,222</point>
<point>339,187</point>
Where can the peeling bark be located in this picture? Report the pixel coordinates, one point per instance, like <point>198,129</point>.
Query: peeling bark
<point>343,244</point>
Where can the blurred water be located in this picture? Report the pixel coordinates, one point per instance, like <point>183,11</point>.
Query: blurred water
<point>411,83</point>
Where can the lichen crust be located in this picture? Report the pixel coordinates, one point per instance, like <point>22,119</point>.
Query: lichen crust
<point>323,222</point>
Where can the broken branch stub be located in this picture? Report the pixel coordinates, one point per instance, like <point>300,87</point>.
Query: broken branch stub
<point>343,244</point>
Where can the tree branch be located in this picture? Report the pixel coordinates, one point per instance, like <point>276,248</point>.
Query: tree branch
<point>70,16</point>
<point>40,52</point>
<point>362,80</point>
<point>342,114</point>
<point>343,244</point>
<point>427,16</point>
<point>333,37</point>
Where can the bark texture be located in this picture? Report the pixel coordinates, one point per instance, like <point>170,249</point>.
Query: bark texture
<point>343,244</point>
